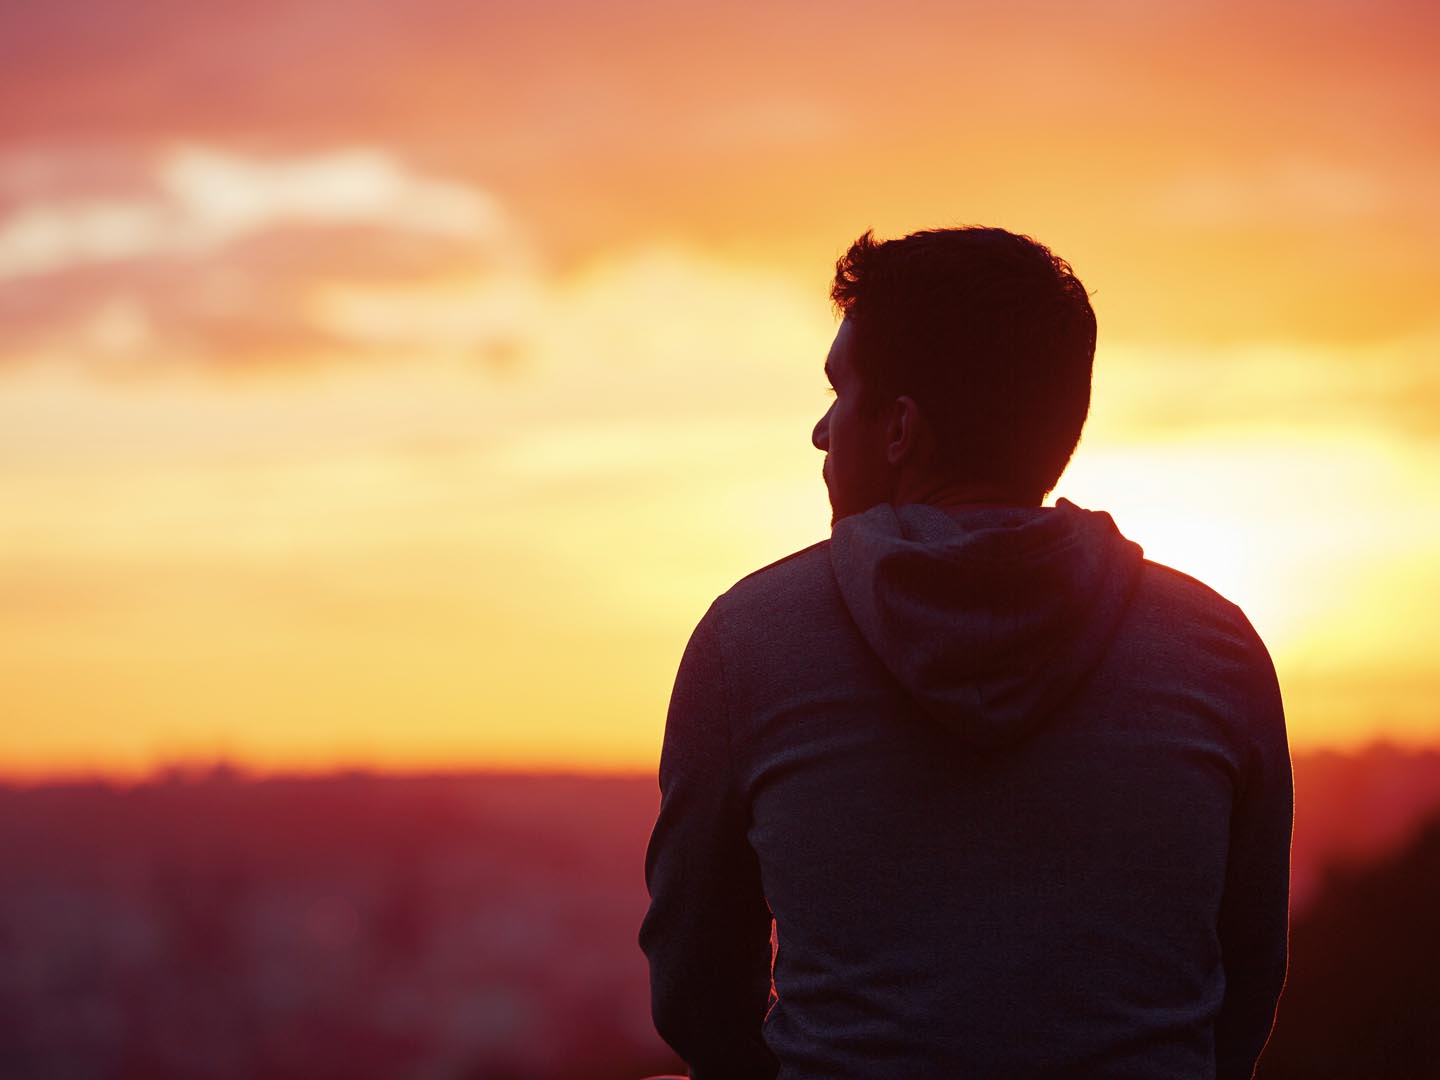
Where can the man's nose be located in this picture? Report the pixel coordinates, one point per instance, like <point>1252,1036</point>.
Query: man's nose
<point>821,435</point>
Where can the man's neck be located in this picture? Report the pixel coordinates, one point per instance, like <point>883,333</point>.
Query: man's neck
<point>946,496</point>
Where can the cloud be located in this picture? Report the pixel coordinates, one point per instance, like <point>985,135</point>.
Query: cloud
<point>489,318</point>
<point>205,199</point>
<point>226,196</point>
<point>217,261</point>
<point>208,256</point>
<point>656,333</point>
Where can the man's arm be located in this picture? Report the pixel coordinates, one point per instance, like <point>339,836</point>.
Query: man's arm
<point>707,933</point>
<point>1254,914</point>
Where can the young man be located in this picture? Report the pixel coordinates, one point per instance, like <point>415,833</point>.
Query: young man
<point>1017,799</point>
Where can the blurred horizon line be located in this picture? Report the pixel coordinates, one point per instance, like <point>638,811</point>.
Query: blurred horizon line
<point>224,769</point>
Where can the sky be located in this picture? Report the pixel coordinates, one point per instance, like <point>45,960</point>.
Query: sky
<point>396,385</point>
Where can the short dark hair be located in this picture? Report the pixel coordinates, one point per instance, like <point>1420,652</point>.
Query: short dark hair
<point>989,332</point>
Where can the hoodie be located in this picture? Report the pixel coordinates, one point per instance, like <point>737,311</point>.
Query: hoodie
<point>970,793</point>
<point>991,626</point>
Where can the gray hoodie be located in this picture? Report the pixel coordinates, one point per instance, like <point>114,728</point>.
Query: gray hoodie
<point>1017,800</point>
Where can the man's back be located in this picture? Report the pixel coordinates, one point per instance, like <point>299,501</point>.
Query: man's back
<point>1018,801</point>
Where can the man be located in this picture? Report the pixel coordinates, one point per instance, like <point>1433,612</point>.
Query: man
<point>1017,799</point>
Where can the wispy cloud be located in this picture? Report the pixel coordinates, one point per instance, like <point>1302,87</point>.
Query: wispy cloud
<point>205,200</point>
<point>241,260</point>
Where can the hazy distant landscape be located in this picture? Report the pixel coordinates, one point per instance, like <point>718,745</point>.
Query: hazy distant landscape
<point>210,924</point>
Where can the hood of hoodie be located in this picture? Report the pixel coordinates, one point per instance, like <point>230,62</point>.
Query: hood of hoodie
<point>988,616</point>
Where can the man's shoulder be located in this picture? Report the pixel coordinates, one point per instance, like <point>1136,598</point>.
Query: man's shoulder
<point>798,579</point>
<point>799,569</point>
<point>1179,588</point>
<point>787,567</point>
<point>1182,602</point>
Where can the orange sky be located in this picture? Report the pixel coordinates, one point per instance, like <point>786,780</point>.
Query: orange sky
<point>396,385</point>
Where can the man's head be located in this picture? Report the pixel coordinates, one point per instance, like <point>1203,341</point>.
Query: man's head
<point>961,370</point>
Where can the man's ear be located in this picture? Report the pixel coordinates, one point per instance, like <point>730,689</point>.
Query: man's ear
<point>907,437</point>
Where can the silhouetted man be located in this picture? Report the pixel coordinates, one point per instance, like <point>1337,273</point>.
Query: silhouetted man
<point>1017,799</point>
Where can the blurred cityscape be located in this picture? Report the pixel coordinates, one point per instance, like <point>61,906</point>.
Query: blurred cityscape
<point>210,924</point>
